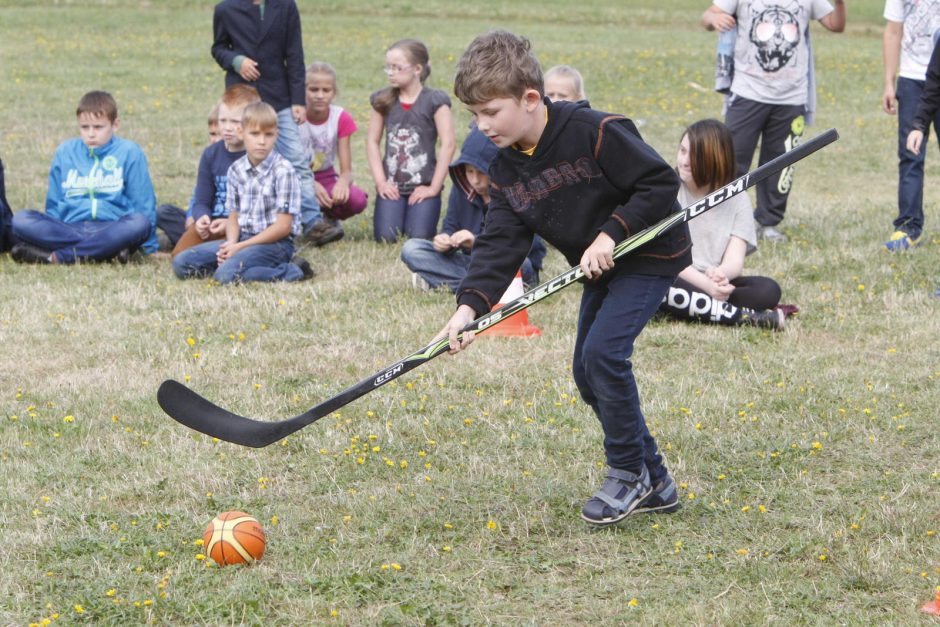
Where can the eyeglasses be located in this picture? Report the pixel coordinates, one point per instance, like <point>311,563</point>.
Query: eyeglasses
<point>395,69</point>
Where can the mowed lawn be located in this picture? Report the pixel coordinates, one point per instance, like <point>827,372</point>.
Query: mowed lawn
<point>808,460</point>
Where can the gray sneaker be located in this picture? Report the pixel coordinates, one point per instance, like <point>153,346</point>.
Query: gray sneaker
<point>767,319</point>
<point>771,234</point>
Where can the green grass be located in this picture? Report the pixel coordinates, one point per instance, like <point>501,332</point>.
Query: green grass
<point>808,459</point>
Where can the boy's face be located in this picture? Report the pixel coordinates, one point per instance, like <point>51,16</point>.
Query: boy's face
<point>259,142</point>
<point>320,92</point>
<point>214,133</point>
<point>478,180</point>
<point>509,121</point>
<point>559,87</point>
<point>96,130</point>
<point>230,126</point>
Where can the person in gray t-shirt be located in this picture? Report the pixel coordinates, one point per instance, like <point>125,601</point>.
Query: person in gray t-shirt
<point>771,86</point>
<point>714,289</point>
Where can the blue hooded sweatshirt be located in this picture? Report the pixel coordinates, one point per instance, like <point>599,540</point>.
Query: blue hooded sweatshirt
<point>465,208</point>
<point>103,183</point>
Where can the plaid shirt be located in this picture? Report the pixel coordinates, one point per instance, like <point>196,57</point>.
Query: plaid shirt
<point>260,193</point>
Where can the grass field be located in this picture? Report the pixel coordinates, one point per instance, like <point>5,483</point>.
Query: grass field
<point>809,460</point>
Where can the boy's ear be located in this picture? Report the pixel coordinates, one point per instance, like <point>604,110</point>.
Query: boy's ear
<point>116,124</point>
<point>531,99</point>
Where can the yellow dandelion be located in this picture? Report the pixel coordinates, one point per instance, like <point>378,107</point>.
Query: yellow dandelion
<point>633,602</point>
<point>491,524</point>
<point>200,557</point>
<point>742,551</point>
<point>69,418</point>
<point>395,566</point>
<point>79,609</point>
<point>111,592</point>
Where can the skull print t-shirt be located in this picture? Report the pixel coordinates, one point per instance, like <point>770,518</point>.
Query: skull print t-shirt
<point>411,138</point>
<point>771,56</point>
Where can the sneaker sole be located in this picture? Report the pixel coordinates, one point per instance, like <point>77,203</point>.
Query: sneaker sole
<point>662,509</point>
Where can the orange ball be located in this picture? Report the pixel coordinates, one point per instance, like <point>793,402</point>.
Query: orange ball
<point>234,538</point>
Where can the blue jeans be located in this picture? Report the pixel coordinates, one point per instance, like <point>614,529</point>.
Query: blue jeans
<point>910,166</point>
<point>259,262</point>
<point>612,316</point>
<point>288,144</point>
<point>396,217</point>
<point>447,268</point>
<point>96,240</point>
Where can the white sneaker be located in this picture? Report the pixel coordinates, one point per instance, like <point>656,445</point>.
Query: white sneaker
<point>772,234</point>
<point>419,283</point>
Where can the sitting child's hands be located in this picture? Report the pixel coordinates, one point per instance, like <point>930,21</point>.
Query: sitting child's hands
<point>323,197</point>
<point>422,192</point>
<point>462,239</point>
<point>218,226</point>
<point>387,190</point>
<point>441,243</point>
<point>226,250</point>
<point>340,191</point>
<point>202,226</point>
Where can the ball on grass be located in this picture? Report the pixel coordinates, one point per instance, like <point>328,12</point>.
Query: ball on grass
<point>234,538</point>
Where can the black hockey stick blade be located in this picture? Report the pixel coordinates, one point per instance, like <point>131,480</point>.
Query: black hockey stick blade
<point>192,410</point>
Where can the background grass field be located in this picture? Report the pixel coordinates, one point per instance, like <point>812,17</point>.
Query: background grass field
<point>808,459</point>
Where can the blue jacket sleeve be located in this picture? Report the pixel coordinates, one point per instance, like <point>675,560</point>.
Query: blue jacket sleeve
<point>140,196</point>
<point>204,194</point>
<point>54,192</point>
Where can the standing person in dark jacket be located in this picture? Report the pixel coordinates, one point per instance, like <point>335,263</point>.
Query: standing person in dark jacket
<point>445,259</point>
<point>583,180</point>
<point>260,43</point>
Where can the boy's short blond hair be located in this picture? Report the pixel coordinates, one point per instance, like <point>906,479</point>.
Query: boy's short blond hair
<point>239,95</point>
<point>214,114</point>
<point>497,64</point>
<point>98,103</point>
<point>259,115</point>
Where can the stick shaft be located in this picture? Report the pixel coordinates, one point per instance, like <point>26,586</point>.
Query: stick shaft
<point>190,409</point>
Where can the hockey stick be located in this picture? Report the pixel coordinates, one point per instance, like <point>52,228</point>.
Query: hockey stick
<point>194,411</point>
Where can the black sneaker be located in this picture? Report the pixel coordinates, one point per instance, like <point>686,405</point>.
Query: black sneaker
<point>123,256</point>
<point>620,494</point>
<point>768,319</point>
<point>304,266</point>
<point>332,232</point>
<point>27,253</point>
<point>663,499</point>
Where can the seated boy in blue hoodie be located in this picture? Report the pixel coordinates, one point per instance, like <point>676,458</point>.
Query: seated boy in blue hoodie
<point>445,259</point>
<point>100,204</point>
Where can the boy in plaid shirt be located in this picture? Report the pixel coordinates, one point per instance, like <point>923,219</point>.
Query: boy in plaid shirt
<point>263,201</point>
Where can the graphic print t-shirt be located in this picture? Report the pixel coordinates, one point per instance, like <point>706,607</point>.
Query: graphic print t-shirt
<point>410,139</point>
<point>771,58</point>
<point>920,19</point>
<point>320,141</point>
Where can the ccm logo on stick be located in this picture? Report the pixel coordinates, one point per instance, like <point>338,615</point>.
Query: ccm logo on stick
<point>718,197</point>
<point>388,374</point>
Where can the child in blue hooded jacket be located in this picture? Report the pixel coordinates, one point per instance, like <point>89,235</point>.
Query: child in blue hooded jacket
<point>445,259</point>
<point>100,204</point>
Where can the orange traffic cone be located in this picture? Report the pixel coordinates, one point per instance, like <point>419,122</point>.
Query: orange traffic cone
<point>517,324</point>
<point>933,607</point>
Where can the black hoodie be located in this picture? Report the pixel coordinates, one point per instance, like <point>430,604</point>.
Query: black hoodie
<point>590,172</point>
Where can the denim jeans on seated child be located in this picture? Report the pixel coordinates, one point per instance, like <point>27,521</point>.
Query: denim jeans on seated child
<point>612,315</point>
<point>259,262</point>
<point>95,240</point>
<point>447,268</point>
<point>290,147</point>
<point>393,218</point>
